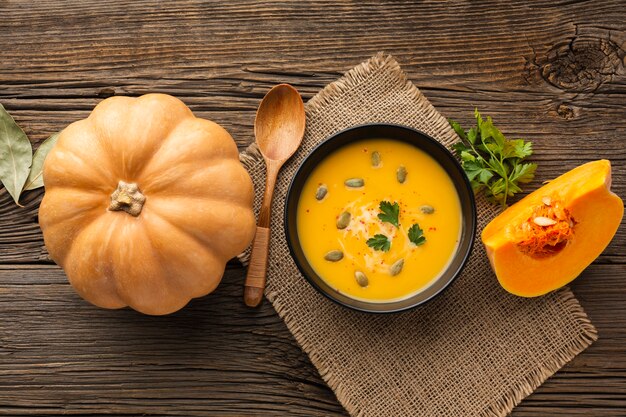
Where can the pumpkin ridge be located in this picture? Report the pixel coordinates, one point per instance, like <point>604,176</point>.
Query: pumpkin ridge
<point>131,168</point>
<point>75,267</point>
<point>168,133</point>
<point>105,144</point>
<point>99,193</point>
<point>126,288</point>
<point>168,265</point>
<point>198,157</point>
<point>103,180</point>
<point>205,242</point>
<point>168,189</point>
<point>148,179</point>
<point>208,199</point>
<point>164,265</point>
<point>66,137</point>
<point>140,172</point>
<point>80,221</point>
<point>60,258</point>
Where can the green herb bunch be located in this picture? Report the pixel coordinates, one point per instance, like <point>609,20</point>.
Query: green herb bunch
<point>492,162</point>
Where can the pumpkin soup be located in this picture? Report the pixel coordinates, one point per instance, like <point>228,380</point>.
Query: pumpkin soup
<point>379,220</point>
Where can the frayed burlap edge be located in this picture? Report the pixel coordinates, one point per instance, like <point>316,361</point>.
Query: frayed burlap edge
<point>533,380</point>
<point>251,156</point>
<point>509,400</point>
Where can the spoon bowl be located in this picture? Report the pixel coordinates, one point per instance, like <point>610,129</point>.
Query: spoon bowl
<point>279,124</point>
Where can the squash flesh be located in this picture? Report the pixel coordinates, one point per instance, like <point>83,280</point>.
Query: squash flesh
<point>585,192</point>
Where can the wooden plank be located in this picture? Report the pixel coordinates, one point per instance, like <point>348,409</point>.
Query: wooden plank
<point>60,354</point>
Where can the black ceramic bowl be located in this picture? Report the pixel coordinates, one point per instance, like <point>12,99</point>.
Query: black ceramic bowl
<point>426,144</point>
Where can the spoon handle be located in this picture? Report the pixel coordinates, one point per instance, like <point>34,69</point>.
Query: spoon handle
<point>257,270</point>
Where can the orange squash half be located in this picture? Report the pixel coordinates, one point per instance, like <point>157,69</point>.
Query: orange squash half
<point>549,237</point>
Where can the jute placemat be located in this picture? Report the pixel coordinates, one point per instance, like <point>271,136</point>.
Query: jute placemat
<point>475,350</point>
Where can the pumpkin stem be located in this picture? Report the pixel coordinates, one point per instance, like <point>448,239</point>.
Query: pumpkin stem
<point>128,198</point>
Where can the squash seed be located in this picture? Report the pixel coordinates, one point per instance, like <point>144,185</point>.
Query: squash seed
<point>546,200</point>
<point>543,221</point>
<point>361,279</point>
<point>375,159</point>
<point>426,209</point>
<point>396,267</point>
<point>334,256</point>
<point>343,220</point>
<point>354,182</point>
<point>321,192</point>
<point>401,174</point>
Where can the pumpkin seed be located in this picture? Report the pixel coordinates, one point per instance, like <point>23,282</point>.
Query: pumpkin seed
<point>334,256</point>
<point>426,209</point>
<point>343,220</point>
<point>396,267</point>
<point>321,192</point>
<point>543,221</point>
<point>375,159</point>
<point>354,182</point>
<point>401,174</point>
<point>361,279</point>
<point>546,200</point>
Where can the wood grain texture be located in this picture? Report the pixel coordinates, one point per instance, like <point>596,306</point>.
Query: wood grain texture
<point>549,71</point>
<point>256,275</point>
<point>61,355</point>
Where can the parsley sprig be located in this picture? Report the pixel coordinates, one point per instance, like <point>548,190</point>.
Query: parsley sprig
<point>379,242</point>
<point>416,235</point>
<point>493,162</point>
<point>389,212</point>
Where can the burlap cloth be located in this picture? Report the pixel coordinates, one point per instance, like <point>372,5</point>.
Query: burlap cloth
<point>474,350</point>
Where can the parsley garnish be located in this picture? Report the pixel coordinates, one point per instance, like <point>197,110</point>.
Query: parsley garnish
<point>389,212</point>
<point>379,242</point>
<point>416,235</point>
<point>491,161</point>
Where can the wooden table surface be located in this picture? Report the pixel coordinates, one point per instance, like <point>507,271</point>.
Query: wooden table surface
<point>549,71</point>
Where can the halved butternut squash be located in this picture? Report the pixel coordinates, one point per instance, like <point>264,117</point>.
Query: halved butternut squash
<point>549,237</point>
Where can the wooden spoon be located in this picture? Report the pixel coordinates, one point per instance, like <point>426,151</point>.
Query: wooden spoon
<point>278,128</point>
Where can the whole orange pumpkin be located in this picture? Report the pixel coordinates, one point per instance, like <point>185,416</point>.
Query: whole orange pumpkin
<point>145,204</point>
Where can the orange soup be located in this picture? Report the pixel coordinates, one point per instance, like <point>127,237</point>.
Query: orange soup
<point>379,220</point>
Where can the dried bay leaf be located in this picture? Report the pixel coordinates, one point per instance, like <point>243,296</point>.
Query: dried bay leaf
<point>16,155</point>
<point>35,178</point>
